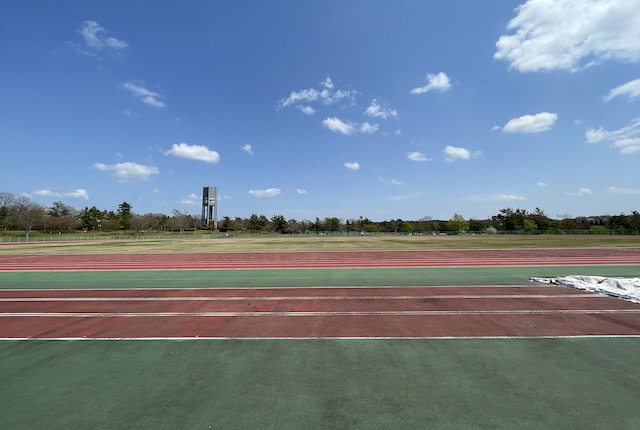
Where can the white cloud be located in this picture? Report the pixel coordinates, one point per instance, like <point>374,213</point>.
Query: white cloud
<point>77,194</point>
<point>338,126</point>
<point>582,192</point>
<point>270,192</point>
<point>80,193</point>
<point>495,127</point>
<point>452,153</point>
<point>543,184</point>
<point>417,156</point>
<point>615,190</point>
<point>626,139</point>
<point>375,110</point>
<point>46,193</point>
<point>497,198</point>
<point>248,149</point>
<point>537,123</point>
<point>367,128</point>
<point>439,82</point>
<point>95,37</point>
<point>191,199</point>
<point>570,34</point>
<point>326,94</point>
<point>193,152</point>
<point>144,94</point>
<point>128,170</point>
<point>391,181</point>
<point>352,166</point>
<point>307,110</point>
<point>631,89</point>
<point>301,191</point>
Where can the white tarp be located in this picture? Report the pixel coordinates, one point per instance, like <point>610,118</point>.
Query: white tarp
<point>626,288</point>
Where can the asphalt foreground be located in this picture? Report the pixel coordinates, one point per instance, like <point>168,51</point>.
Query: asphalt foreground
<point>456,383</point>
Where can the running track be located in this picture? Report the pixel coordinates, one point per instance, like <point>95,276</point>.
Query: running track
<point>392,312</point>
<point>289,260</point>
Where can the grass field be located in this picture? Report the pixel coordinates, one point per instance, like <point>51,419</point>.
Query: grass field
<point>323,243</point>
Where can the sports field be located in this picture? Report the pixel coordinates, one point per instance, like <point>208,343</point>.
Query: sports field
<point>350,339</point>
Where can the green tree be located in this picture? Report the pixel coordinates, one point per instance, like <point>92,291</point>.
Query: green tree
<point>405,226</point>
<point>458,223</point>
<point>91,218</point>
<point>279,223</point>
<point>125,217</point>
<point>529,225</point>
<point>257,223</point>
<point>332,224</point>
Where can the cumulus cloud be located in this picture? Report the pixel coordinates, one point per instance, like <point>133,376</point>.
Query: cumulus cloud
<point>338,126</point>
<point>626,139</point>
<point>537,123</point>
<point>543,184</point>
<point>417,156</point>
<point>80,193</point>
<point>144,94</point>
<point>453,153</point>
<point>269,192</point>
<point>248,149</point>
<point>570,34</point>
<point>367,128</point>
<point>348,128</point>
<point>439,82</point>
<point>77,194</point>
<point>191,199</point>
<point>95,37</point>
<point>193,152</point>
<point>301,191</point>
<point>326,94</point>
<point>631,90</point>
<point>375,110</point>
<point>352,165</point>
<point>127,171</point>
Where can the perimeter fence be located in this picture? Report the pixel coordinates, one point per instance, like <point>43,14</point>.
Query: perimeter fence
<point>40,237</point>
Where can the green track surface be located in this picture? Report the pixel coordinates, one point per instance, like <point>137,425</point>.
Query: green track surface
<point>578,383</point>
<point>321,384</point>
<point>256,278</point>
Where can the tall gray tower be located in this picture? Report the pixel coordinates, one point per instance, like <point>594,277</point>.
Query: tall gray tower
<point>210,206</point>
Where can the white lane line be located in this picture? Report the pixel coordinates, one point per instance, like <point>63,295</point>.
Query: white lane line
<point>284,298</point>
<point>316,338</point>
<point>313,314</point>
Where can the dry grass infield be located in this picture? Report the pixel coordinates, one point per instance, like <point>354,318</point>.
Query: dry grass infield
<point>321,243</point>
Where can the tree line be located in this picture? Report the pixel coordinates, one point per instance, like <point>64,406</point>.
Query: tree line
<point>22,213</point>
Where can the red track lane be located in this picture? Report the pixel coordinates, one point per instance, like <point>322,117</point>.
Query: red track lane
<point>287,260</point>
<point>316,313</point>
<point>423,312</point>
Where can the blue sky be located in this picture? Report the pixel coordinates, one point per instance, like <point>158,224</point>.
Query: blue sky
<point>318,109</point>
